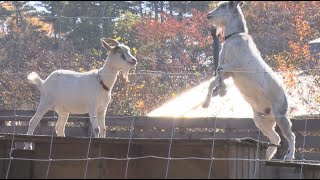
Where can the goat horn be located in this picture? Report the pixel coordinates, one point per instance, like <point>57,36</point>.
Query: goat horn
<point>111,40</point>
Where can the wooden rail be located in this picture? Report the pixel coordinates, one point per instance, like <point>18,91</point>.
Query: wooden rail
<point>168,127</point>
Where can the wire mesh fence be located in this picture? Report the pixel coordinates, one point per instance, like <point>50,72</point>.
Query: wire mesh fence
<point>173,45</point>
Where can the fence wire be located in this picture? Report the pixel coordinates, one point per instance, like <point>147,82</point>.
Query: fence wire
<point>168,158</point>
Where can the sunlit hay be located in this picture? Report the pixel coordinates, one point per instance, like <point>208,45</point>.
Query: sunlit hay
<point>189,104</point>
<point>182,103</point>
<point>232,105</point>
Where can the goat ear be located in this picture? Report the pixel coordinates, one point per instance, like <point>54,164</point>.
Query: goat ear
<point>241,3</point>
<point>106,45</point>
<point>111,41</point>
<point>236,3</point>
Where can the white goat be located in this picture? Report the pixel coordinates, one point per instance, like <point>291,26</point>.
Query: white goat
<point>86,92</point>
<point>240,59</point>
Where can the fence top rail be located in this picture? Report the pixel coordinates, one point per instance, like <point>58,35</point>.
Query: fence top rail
<point>203,141</point>
<point>296,164</point>
<point>52,114</point>
<point>161,122</point>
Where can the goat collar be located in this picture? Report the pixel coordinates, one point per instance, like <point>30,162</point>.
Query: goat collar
<point>103,85</point>
<point>226,37</point>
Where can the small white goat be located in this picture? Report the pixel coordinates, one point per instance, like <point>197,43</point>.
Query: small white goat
<point>240,59</point>
<point>87,92</point>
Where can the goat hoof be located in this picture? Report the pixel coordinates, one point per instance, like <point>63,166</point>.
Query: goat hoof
<point>288,158</point>
<point>222,92</point>
<point>205,105</point>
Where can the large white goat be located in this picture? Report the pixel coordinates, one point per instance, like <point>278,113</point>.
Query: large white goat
<point>240,59</point>
<point>82,92</point>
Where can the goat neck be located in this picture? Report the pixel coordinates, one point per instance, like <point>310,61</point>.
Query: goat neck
<point>108,74</point>
<point>237,23</point>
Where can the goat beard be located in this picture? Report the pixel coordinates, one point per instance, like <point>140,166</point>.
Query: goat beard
<point>220,31</point>
<point>125,73</point>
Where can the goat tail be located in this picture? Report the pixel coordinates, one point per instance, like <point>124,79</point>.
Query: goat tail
<point>295,110</point>
<point>35,79</point>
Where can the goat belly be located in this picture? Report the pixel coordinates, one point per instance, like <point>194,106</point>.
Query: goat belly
<point>72,101</point>
<point>72,106</point>
<point>253,91</point>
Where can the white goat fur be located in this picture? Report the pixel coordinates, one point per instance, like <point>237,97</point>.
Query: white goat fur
<point>81,92</point>
<point>240,59</point>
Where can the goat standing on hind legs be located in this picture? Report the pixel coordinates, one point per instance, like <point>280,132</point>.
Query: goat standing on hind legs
<point>240,59</point>
<point>80,93</point>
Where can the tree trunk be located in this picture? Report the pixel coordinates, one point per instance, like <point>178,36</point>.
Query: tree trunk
<point>170,7</point>
<point>155,5</point>
<point>161,10</point>
<point>141,13</point>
